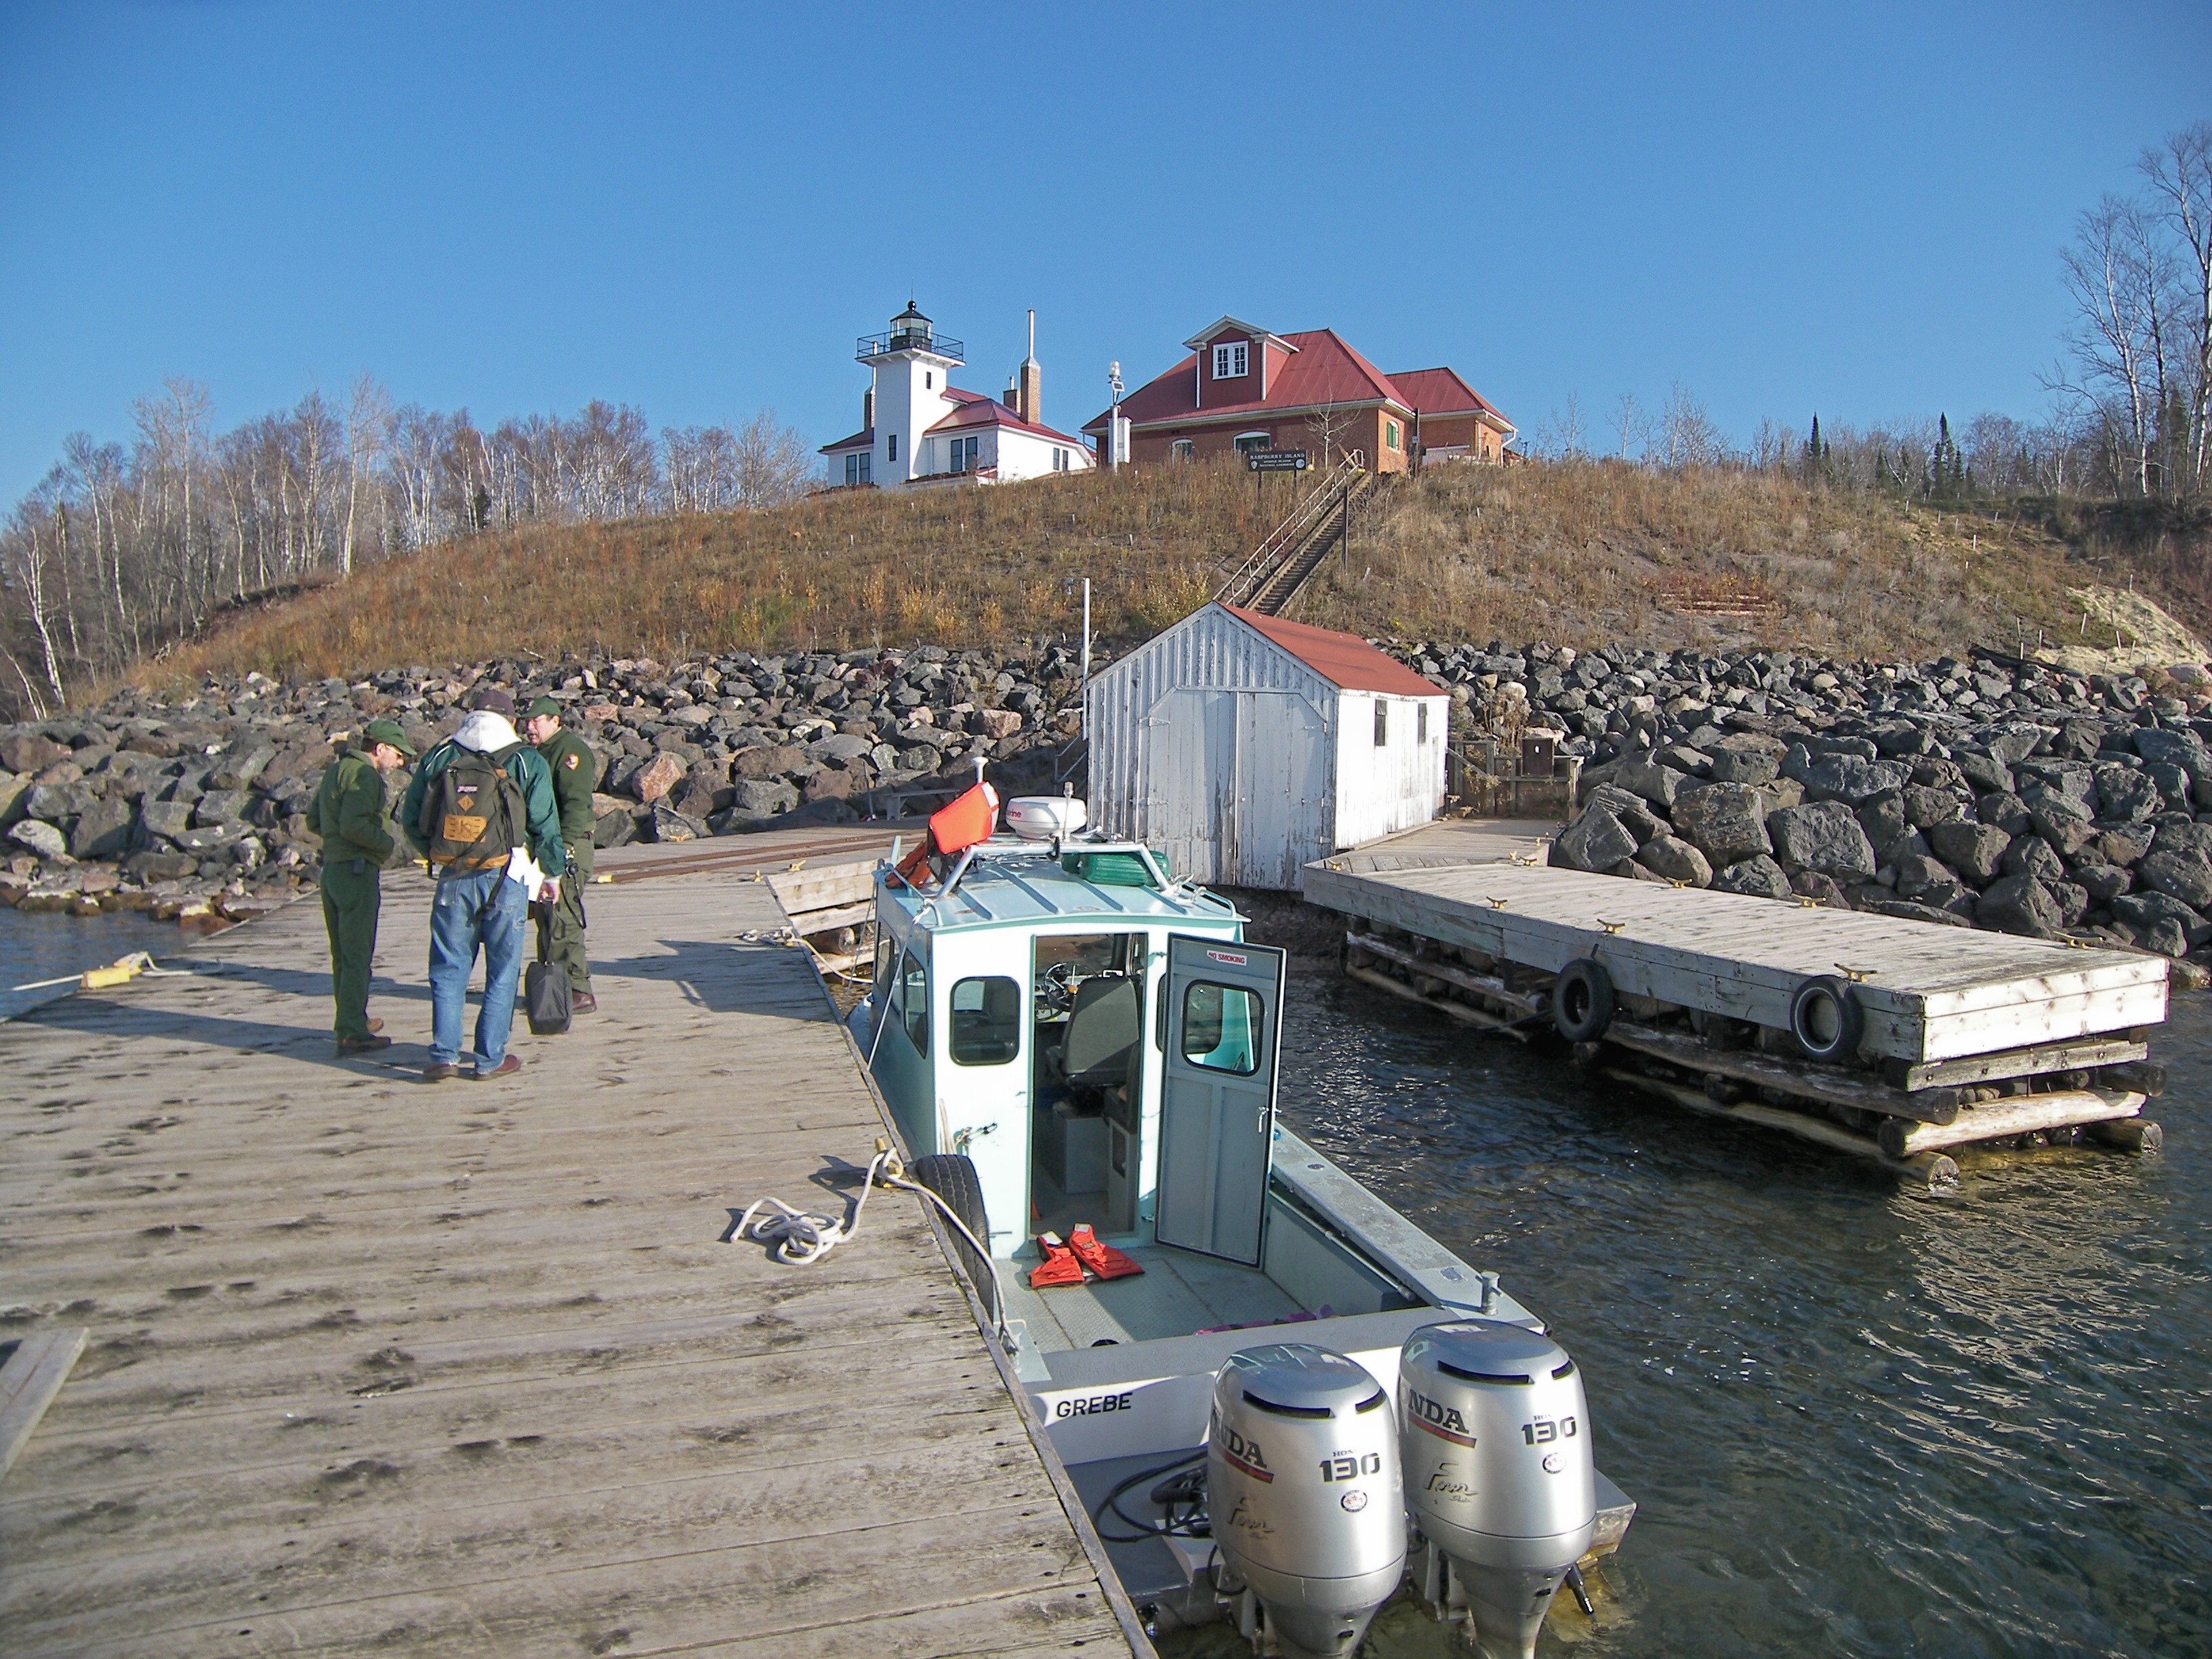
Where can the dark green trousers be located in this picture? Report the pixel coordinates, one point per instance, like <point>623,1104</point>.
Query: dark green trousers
<point>560,926</point>
<point>351,900</point>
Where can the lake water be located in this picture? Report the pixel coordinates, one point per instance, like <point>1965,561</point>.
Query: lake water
<point>1858,1421</point>
<point>34,947</point>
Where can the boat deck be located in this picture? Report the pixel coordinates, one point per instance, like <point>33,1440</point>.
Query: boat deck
<point>467,1370</point>
<point>1177,1294</point>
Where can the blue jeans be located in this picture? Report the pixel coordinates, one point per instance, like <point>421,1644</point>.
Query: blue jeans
<point>486,909</point>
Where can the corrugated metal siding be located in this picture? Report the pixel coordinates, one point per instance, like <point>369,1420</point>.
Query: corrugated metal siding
<point>1397,787</point>
<point>1216,744</point>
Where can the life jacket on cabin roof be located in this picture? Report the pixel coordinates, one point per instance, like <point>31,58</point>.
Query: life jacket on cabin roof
<point>968,821</point>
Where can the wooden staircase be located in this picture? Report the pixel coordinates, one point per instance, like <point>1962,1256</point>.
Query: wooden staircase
<point>1284,562</point>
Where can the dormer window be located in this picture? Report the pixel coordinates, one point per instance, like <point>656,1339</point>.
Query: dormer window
<point>1231,361</point>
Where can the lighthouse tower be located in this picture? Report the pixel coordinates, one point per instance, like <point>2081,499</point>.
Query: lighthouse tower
<point>909,362</point>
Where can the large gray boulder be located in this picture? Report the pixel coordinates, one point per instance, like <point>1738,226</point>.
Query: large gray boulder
<point>1726,822</point>
<point>1595,842</point>
<point>1760,877</point>
<point>2159,921</point>
<point>1849,778</point>
<point>2126,794</point>
<point>755,799</point>
<point>1974,850</point>
<point>102,830</point>
<point>1744,766</point>
<point>2186,876</point>
<point>1823,836</point>
<point>2019,904</point>
<point>2179,836</point>
<point>1988,774</point>
<point>40,837</point>
<point>1925,808</point>
<point>1654,782</point>
<point>2181,748</point>
<point>1676,859</point>
<point>2103,882</point>
<point>221,806</point>
<point>2031,856</point>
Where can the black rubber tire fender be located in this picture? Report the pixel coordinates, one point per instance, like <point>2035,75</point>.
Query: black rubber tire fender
<point>952,1176</point>
<point>1827,1020</point>
<point>1583,1000</point>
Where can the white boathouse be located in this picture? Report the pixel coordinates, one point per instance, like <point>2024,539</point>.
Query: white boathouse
<point>1243,746</point>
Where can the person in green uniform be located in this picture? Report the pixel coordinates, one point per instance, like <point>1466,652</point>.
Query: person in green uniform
<point>575,772</point>
<point>354,819</point>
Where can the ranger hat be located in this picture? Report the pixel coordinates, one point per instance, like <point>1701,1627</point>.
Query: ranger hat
<point>387,731</point>
<point>545,706</point>
<point>495,700</point>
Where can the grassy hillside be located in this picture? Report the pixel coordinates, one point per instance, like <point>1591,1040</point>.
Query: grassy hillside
<point>1578,553</point>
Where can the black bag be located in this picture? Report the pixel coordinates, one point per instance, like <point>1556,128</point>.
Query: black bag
<point>545,998</point>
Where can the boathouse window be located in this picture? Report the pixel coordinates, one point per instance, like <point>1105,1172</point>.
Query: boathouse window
<point>986,1021</point>
<point>1381,723</point>
<point>1420,722</point>
<point>1221,1027</point>
<point>1182,450</point>
<point>1229,362</point>
<point>914,1002</point>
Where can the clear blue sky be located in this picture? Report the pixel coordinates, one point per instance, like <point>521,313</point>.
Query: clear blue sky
<point>695,209</point>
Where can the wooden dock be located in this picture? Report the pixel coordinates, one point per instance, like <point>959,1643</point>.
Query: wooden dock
<point>1968,1037</point>
<point>467,1370</point>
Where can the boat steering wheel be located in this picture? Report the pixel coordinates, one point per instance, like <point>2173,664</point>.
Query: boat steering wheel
<point>1054,994</point>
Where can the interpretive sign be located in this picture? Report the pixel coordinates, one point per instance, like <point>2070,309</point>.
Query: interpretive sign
<point>1275,460</point>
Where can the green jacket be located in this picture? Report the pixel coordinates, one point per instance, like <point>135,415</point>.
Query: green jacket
<point>525,766</point>
<point>350,812</point>
<point>575,769</point>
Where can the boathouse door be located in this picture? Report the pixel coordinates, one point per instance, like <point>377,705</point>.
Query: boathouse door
<point>1223,1006</point>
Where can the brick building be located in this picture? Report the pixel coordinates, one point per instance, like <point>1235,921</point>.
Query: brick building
<point>1242,387</point>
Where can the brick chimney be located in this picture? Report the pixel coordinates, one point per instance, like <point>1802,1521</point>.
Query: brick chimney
<point>1028,381</point>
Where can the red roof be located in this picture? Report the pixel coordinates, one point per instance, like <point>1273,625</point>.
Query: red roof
<point>977,410</point>
<point>1344,660</point>
<point>864,439</point>
<point>1440,392</point>
<point>1323,370</point>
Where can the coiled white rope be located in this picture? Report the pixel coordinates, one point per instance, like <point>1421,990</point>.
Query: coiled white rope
<point>801,1239</point>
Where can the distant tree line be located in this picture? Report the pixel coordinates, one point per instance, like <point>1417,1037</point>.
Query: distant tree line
<point>126,548</point>
<point>2128,415</point>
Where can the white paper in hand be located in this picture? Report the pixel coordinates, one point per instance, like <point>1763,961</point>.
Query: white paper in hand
<point>521,867</point>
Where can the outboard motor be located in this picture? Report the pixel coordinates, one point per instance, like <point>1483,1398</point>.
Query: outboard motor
<point>1496,1444</point>
<point>1302,1485</point>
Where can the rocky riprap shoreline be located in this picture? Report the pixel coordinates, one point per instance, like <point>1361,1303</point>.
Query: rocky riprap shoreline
<point>1987,792</point>
<point>193,806</point>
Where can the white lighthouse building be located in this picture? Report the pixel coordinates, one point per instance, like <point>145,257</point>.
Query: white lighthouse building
<point>917,427</point>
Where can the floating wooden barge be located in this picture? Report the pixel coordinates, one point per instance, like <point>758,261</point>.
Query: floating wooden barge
<point>1937,1037</point>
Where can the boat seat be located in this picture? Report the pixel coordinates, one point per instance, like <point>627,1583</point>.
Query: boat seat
<point>1104,1027</point>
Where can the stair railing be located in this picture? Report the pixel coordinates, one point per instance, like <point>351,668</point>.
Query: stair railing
<point>1252,575</point>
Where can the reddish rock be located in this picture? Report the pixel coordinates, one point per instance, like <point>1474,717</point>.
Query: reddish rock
<point>656,777</point>
<point>831,783</point>
<point>998,722</point>
<point>30,752</point>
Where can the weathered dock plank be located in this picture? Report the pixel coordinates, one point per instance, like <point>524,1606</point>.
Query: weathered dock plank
<point>466,1370</point>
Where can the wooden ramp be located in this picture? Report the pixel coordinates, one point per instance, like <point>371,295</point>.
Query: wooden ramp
<point>1930,992</point>
<point>380,1367</point>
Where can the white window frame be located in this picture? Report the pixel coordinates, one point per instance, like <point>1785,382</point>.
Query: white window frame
<point>1391,433</point>
<point>1183,449</point>
<point>1232,361</point>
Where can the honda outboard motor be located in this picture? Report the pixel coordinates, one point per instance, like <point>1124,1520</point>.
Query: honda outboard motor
<point>1496,1442</point>
<point>1301,1483</point>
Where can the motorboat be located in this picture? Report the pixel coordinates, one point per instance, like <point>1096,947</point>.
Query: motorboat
<point>1284,1403</point>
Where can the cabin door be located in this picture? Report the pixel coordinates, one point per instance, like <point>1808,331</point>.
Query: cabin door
<point>1223,1005</point>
